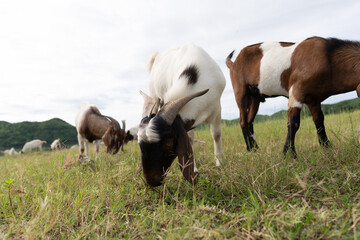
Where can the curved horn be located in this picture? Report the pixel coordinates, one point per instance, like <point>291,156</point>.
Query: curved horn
<point>169,111</point>
<point>149,104</point>
<point>123,124</point>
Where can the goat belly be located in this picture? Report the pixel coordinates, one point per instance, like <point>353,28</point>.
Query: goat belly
<point>90,137</point>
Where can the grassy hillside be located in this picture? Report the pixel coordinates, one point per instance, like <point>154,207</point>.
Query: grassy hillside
<point>344,106</point>
<point>17,134</point>
<point>258,195</point>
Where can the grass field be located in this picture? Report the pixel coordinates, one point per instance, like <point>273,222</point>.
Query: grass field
<point>258,195</point>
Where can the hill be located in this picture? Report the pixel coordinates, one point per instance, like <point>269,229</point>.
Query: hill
<point>16,134</point>
<point>344,106</point>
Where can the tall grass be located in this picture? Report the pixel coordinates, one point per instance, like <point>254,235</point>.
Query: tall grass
<point>253,195</point>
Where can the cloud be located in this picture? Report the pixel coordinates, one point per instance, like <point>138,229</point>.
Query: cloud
<point>54,55</point>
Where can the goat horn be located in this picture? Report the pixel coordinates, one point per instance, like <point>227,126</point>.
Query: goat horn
<point>123,124</point>
<point>150,105</point>
<point>170,110</point>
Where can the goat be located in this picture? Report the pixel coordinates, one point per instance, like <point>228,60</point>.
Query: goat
<point>91,126</point>
<point>178,77</point>
<point>10,151</point>
<point>33,145</point>
<point>306,72</point>
<point>131,134</point>
<point>55,144</point>
<point>74,146</point>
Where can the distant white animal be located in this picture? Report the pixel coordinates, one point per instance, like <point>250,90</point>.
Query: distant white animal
<point>74,146</point>
<point>10,151</point>
<point>55,144</point>
<point>33,145</point>
<point>131,134</point>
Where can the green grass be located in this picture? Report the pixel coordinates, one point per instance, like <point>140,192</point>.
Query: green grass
<point>253,195</point>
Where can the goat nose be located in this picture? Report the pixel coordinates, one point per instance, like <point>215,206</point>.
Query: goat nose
<point>154,183</point>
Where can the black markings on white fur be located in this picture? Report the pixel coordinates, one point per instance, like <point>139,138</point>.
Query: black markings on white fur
<point>191,73</point>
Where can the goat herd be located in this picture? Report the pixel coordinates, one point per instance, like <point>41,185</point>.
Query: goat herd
<point>185,90</point>
<point>33,145</point>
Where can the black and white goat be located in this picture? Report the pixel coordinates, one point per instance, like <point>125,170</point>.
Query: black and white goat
<point>185,88</point>
<point>91,125</point>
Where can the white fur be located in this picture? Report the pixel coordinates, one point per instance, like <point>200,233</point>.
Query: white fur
<point>166,84</point>
<point>81,113</point>
<point>134,132</point>
<point>33,145</point>
<point>10,151</point>
<point>141,135</point>
<point>151,132</point>
<point>293,103</point>
<point>83,142</point>
<point>55,144</point>
<point>276,59</point>
<point>148,134</point>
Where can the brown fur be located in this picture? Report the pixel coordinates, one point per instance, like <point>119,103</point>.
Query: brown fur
<point>95,126</point>
<point>319,68</point>
<point>185,153</point>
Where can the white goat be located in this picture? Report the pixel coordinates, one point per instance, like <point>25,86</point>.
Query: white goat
<point>33,145</point>
<point>10,151</point>
<point>74,146</point>
<point>131,134</point>
<point>178,78</point>
<point>55,145</point>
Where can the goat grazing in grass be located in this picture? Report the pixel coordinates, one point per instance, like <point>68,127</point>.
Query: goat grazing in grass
<point>91,125</point>
<point>55,145</point>
<point>32,145</point>
<point>186,84</point>
<point>306,72</point>
<point>10,151</point>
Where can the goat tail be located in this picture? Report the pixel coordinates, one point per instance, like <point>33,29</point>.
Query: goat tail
<point>229,63</point>
<point>152,60</point>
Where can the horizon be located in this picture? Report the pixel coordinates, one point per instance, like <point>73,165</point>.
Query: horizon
<point>274,113</point>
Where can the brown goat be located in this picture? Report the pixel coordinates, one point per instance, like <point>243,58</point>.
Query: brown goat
<point>91,125</point>
<point>307,72</point>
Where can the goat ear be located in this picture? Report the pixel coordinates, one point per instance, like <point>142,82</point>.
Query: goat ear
<point>185,152</point>
<point>107,136</point>
<point>150,106</point>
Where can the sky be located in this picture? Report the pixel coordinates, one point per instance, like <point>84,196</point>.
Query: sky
<point>56,54</point>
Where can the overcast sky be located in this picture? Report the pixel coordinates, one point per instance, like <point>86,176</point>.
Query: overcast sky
<point>56,54</point>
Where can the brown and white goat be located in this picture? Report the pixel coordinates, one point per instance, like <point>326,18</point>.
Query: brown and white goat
<point>91,125</point>
<point>306,72</point>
